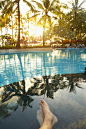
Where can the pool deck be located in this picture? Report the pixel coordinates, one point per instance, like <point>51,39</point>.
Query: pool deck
<point>26,49</point>
<point>35,49</point>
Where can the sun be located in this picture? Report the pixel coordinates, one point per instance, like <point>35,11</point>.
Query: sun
<point>36,31</point>
<point>39,31</point>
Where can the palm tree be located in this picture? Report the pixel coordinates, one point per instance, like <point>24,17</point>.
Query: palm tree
<point>46,7</point>
<point>10,6</point>
<point>76,8</point>
<point>2,24</point>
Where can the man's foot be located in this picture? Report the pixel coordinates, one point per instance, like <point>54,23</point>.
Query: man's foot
<point>46,111</point>
<point>48,116</point>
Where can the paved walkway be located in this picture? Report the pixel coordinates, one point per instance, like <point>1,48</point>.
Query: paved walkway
<point>26,49</point>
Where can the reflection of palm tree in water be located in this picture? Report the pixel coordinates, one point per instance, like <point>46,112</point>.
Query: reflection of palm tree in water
<point>16,89</point>
<point>46,85</point>
<point>5,112</point>
<point>24,97</point>
<point>50,84</point>
<point>19,57</point>
<point>73,82</point>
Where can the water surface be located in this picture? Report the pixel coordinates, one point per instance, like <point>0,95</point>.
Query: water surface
<point>18,66</point>
<point>57,77</point>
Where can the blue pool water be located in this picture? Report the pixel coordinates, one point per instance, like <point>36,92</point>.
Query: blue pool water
<point>17,66</point>
<point>56,76</point>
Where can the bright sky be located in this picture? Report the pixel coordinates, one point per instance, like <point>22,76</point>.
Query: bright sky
<point>24,8</point>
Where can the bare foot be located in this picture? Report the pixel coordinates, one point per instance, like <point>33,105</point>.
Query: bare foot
<point>46,111</point>
<point>49,118</point>
<point>40,118</point>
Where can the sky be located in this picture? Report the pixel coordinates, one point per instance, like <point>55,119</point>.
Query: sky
<point>24,8</point>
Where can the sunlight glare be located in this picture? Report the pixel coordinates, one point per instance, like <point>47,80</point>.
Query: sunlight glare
<point>23,8</point>
<point>37,31</point>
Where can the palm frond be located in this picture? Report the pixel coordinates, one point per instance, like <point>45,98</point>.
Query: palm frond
<point>15,1</point>
<point>15,9</point>
<point>2,4</point>
<point>70,13</point>
<point>65,6</point>
<point>34,16</point>
<point>46,3</point>
<point>55,17</point>
<point>72,4</point>
<point>7,5</point>
<point>8,8</point>
<point>76,2</point>
<point>82,3</point>
<point>81,9</point>
<point>54,2</point>
<point>41,20</point>
<point>40,6</point>
<point>57,12</point>
<point>30,5</point>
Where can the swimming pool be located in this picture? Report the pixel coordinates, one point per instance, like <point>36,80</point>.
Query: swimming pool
<point>17,66</point>
<point>56,76</point>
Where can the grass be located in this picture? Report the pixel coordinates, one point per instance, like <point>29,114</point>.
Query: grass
<point>8,47</point>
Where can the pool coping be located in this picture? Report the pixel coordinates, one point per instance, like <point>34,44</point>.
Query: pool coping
<point>35,49</point>
<point>26,49</point>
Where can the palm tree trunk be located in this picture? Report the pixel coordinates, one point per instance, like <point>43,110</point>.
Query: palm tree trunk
<point>1,31</point>
<point>43,35</point>
<point>12,26</point>
<point>28,29</point>
<point>18,43</point>
<point>71,43</point>
<point>75,22</point>
<point>12,19</point>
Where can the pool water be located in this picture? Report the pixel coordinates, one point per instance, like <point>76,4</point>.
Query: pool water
<point>57,77</point>
<point>15,67</point>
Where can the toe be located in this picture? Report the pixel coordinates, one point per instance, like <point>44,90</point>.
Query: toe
<point>42,101</point>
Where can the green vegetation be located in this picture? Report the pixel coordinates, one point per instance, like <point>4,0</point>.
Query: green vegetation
<point>7,47</point>
<point>46,14</point>
<point>13,47</point>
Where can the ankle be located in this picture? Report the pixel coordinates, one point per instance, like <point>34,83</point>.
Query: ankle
<point>48,119</point>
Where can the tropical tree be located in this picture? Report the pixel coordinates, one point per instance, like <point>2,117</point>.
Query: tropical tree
<point>2,24</point>
<point>71,26</point>
<point>9,6</point>
<point>63,32</point>
<point>80,25</point>
<point>75,10</point>
<point>47,10</point>
<point>63,28</point>
<point>49,32</point>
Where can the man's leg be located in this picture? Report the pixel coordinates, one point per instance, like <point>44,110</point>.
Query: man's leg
<point>49,118</point>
